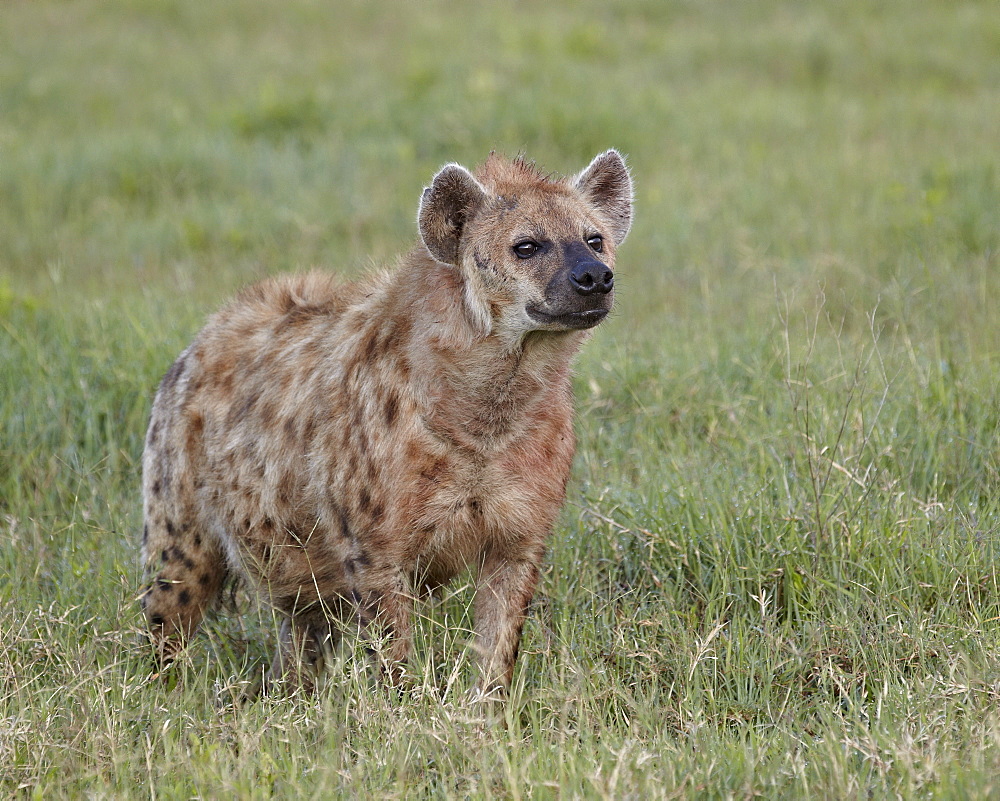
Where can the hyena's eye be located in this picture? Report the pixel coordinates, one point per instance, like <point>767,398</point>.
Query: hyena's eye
<point>526,249</point>
<point>596,242</point>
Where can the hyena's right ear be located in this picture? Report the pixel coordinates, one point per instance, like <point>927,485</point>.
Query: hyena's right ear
<point>451,200</point>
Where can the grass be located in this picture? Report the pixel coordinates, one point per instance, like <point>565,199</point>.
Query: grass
<point>776,574</point>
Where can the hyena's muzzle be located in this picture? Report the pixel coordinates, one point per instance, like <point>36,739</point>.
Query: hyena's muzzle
<point>580,294</point>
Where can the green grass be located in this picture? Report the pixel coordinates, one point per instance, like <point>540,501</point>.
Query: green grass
<point>777,571</point>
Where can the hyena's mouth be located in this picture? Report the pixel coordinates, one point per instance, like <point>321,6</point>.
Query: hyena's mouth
<point>587,318</point>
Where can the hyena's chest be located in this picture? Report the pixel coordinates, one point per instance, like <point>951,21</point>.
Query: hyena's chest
<point>461,503</point>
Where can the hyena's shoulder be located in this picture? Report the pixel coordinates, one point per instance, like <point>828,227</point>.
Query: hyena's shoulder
<point>280,304</point>
<point>267,340</point>
<point>286,319</point>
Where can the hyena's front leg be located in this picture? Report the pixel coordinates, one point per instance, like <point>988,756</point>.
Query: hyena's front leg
<point>505,589</point>
<point>385,617</point>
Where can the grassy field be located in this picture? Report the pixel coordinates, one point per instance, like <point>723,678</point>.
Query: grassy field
<point>776,575</point>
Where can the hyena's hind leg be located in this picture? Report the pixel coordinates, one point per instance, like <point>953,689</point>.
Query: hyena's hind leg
<point>305,641</point>
<point>185,571</point>
<point>298,658</point>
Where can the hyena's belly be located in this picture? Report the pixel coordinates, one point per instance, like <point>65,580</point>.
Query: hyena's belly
<point>284,550</point>
<point>469,513</point>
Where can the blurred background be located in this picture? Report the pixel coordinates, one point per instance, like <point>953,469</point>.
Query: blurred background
<point>159,146</point>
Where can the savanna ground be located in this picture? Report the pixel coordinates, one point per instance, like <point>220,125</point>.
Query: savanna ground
<point>777,571</point>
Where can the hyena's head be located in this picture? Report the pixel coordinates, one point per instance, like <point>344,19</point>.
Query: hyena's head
<point>536,253</point>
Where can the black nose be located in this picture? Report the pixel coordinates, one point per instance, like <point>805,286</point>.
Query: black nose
<point>590,276</point>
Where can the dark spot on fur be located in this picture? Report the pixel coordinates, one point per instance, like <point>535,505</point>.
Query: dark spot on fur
<point>289,604</point>
<point>172,375</point>
<point>184,597</point>
<point>164,556</point>
<point>402,330</point>
<point>196,425</point>
<point>164,585</point>
<point>378,512</point>
<point>483,263</point>
<point>157,486</point>
<point>363,559</point>
<point>370,346</point>
<point>238,413</point>
<point>349,566</point>
<point>205,579</point>
<point>326,577</point>
<point>310,430</point>
<point>154,433</point>
<point>403,368</point>
<point>197,540</point>
<point>345,526</point>
<point>171,530</point>
<point>433,472</point>
<point>387,335</point>
<point>156,620</point>
<point>295,312</point>
<point>364,501</point>
<point>289,428</point>
<point>267,414</point>
<point>145,533</point>
<point>179,555</point>
<point>285,487</point>
<point>391,409</point>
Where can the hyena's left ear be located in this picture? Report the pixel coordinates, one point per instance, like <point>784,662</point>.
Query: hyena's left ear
<point>607,184</point>
<point>451,200</point>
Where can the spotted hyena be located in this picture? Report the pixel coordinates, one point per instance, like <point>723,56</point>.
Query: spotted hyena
<point>343,447</point>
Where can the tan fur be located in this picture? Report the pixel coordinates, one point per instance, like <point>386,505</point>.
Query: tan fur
<point>342,447</point>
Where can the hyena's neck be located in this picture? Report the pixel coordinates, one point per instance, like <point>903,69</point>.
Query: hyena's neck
<point>478,386</point>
